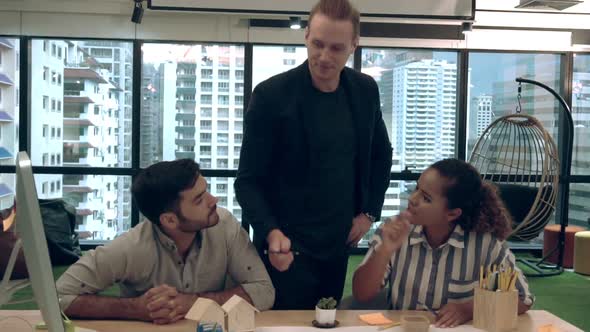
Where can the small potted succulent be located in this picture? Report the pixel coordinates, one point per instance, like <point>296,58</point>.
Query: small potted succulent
<point>325,311</point>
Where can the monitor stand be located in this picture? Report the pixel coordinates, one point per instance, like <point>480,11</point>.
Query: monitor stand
<point>9,287</point>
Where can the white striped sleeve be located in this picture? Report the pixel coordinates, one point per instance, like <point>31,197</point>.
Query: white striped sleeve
<point>375,241</point>
<point>501,255</point>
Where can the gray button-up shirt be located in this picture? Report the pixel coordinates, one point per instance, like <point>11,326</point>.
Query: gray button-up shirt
<point>144,257</point>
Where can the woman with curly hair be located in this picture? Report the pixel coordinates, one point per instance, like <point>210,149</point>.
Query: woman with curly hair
<point>430,255</point>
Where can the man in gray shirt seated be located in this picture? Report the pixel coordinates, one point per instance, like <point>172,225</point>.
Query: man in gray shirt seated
<point>185,251</point>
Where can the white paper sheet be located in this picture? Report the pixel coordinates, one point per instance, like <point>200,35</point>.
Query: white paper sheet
<point>462,328</point>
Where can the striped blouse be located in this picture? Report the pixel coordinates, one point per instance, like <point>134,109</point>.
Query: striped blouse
<point>417,273</point>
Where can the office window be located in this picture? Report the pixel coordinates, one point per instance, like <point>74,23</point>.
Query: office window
<point>96,200</point>
<point>85,82</point>
<point>579,211</point>
<point>268,61</point>
<point>493,90</point>
<point>215,67</point>
<point>418,90</point>
<point>581,115</point>
<point>45,73</point>
<point>45,132</point>
<point>45,159</point>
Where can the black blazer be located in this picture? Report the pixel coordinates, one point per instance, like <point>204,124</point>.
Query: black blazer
<point>274,155</point>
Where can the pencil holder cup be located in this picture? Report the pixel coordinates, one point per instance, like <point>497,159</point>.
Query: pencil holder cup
<point>495,311</point>
<point>414,323</point>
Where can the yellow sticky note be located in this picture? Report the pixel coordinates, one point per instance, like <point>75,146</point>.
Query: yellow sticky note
<point>548,328</point>
<point>375,319</point>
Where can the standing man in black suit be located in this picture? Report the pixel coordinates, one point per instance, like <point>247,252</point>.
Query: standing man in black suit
<point>315,162</point>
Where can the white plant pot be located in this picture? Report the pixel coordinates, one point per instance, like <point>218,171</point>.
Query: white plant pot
<point>325,316</point>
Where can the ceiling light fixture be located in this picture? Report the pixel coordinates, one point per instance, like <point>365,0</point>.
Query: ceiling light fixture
<point>466,27</point>
<point>295,22</point>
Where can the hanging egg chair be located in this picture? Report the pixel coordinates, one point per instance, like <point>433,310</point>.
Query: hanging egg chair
<point>519,156</point>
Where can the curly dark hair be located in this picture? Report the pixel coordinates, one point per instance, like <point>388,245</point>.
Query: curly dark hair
<point>482,209</point>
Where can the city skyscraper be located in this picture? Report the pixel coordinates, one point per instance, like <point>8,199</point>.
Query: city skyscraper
<point>484,116</point>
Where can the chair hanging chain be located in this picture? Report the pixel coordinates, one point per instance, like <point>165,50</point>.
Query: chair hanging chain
<point>519,106</point>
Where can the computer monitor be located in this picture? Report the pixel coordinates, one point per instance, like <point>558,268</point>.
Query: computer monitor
<point>29,228</point>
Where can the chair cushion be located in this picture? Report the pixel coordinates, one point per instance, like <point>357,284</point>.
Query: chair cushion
<point>519,199</point>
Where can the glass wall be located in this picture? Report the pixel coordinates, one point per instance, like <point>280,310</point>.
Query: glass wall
<point>193,107</point>
<point>579,213</point>
<point>193,104</point>
<point>268,61</point>
<point>9,110</point>
<point>103,212</point>
<point>418,91</point>
<point>493,90</point>
<point>493,93</point>
<point>418,99</point>
<point>80,101</point>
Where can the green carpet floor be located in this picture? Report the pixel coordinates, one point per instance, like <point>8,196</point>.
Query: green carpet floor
<point>566,295</point>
